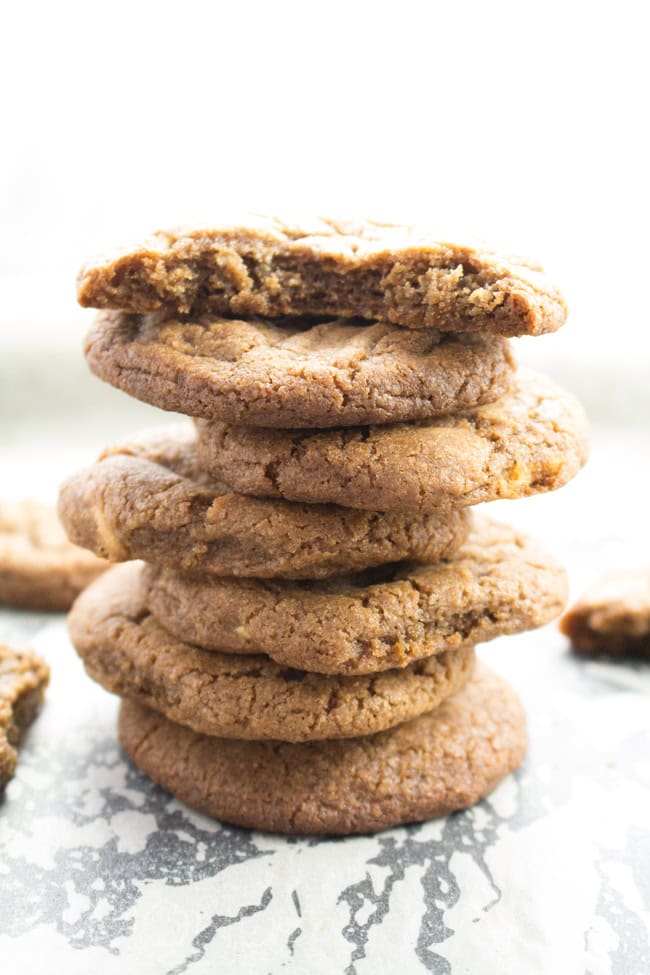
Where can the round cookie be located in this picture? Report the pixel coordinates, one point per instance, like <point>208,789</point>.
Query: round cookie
<point>445,760</point>
<point>127,651</point>
<point>296,374</point>
<point>147,499</point>
<point>533,439</point>
<point>498,582</point>
<point>39,568</point>
<point>613,616</point>
<point>267,266</point>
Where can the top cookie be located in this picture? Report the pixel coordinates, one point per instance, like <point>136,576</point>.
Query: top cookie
<point>371,270</point>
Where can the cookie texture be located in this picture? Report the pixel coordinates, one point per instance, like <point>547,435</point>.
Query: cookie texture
<point>442,761</point>
<point>296,373</point>
<point>147,499</point>
<point>127,651</point>
<point>500,581</point>
<point>23,679</point>
<point>533,439</point>
<point>39,568</point>
<point>326,267</point>
<point>613,616</point>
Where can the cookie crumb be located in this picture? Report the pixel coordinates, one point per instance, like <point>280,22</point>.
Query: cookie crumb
<point>23,679</point>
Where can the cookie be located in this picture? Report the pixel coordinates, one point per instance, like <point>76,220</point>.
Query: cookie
<point>23,679</point>
<point>129,653</point>
<point>435,764</point>
<point>498,582</point>
<point>613,616</point>
<point>39,568</point>
<point>146,499</point>
<point>296,374</point>
<point>533,439</point>
<point>326,267</point>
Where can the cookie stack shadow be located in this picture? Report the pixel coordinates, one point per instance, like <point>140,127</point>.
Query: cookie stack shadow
<point>295,648</point>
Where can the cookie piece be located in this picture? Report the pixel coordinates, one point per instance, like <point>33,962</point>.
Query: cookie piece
<point>296,374</point>
<point>613,616</point>
<point>39,568</point>
<point>327,267</point>
<point>147,499</point>
<point>498,582</point>
<point>129,653</point>
<point>23,679</point>
<point>442,761</point>
<point>533,439</point>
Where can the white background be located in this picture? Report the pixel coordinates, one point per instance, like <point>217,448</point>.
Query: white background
<point>523,123</point>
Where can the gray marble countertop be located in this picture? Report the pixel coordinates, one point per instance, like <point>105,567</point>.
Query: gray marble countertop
<point>101,871</point>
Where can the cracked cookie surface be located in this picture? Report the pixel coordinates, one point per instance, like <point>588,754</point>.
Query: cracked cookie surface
<point>126,650</point>
<point>269,267</point>
<point>39,568</point>
<point>23,679</point>
<point>499,581</point>
<point>293,374</point>
<point>435,764</point>
<point>533,439</point>
<point>147,499</point>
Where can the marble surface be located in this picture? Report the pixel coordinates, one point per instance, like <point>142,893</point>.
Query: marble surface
<point>102,871</point>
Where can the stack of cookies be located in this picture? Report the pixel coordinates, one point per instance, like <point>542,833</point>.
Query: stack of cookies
<point>296,649</point>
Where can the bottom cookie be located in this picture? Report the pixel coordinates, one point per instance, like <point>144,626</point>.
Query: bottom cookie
<point>440,762</point>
